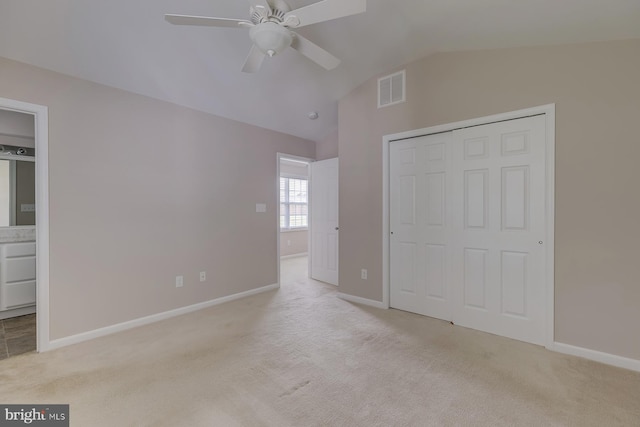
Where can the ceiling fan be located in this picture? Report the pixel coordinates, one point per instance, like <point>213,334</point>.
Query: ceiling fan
<point>269,28</point>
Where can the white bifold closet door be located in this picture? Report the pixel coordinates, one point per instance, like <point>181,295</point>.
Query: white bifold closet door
<point>468,222</point>
<point>421,226</point>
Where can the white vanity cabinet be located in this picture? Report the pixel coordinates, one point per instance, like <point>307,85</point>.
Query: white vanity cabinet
<point>17,275</point>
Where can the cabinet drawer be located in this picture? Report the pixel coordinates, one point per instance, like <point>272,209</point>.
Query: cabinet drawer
<point>19,294</point>
<point>19,249</point>
<point>19,269</point>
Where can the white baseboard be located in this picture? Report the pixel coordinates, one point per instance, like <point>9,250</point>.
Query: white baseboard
<point>598,356</point>
<point>108,330</point>
<point>363,301</point>
<point>298,255</point>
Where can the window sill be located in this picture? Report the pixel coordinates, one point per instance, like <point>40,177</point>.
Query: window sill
<point>290,230</point>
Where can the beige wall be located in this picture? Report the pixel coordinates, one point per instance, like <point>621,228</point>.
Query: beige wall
<point>293,242</point>
<point>140,191</point>
<point>17,124</point>
<point>16,129</point>
<point>328,147</point>
<point>596,89</point>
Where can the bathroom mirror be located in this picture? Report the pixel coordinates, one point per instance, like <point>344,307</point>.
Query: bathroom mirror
<point>17,192</point>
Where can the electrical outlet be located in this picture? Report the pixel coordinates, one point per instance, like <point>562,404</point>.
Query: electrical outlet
<point>203,276</point>
<point>363,274</point>
<point>179,281</point>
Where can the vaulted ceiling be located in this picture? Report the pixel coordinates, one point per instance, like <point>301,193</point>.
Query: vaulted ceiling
<point>127,44</point>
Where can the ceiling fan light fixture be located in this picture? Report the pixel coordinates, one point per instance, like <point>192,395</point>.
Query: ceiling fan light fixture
<point>269,26</point>
<point>271,38</point>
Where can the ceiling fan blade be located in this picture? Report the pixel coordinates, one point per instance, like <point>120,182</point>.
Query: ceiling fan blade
<point>205,21</point>
<point>315,52</point>
<point>324,10</point>
<point>253,61</point>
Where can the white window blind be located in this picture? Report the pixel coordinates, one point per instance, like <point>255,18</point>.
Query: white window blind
<point>294,208</point>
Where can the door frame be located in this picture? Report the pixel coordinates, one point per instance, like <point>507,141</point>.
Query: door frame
<point>41,122</point>
<point>549,112</point>
<point>280,156</point>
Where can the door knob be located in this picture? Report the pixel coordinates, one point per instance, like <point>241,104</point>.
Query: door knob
<point>337,228</point>
<point>540,242</point>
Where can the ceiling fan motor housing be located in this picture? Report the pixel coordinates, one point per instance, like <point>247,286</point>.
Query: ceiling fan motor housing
<point>277,11</point>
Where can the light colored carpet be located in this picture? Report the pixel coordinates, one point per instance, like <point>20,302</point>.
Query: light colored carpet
<point>300,356</point>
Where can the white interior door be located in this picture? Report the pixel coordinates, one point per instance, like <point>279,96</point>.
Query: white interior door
<point>324,221</point>
<point>420,223</point>
<point>499,216</point>
<point>468,221</point>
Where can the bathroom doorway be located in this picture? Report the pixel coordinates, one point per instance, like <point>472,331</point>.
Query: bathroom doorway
<point>24,256</point>
<point>17,233</point>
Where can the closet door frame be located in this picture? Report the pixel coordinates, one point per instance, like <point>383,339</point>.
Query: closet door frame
<point>549,113</point>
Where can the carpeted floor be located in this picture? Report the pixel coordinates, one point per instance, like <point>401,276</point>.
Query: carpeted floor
<point>300,356</point>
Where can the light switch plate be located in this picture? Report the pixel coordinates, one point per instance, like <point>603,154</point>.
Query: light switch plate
<point>261,207</point>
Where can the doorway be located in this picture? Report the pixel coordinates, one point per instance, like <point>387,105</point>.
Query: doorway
<point>293,212</point>
<point>17,234</point>
<point>24,250</point>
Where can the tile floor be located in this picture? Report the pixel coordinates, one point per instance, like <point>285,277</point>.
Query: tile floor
<point>17,335</point>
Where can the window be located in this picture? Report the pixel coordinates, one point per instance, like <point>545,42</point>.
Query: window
<point>293,203</point>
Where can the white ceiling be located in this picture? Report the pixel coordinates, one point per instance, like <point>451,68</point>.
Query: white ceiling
<point>128,45</point>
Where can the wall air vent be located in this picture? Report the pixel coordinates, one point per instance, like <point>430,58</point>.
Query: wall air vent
<point>391,89</point>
